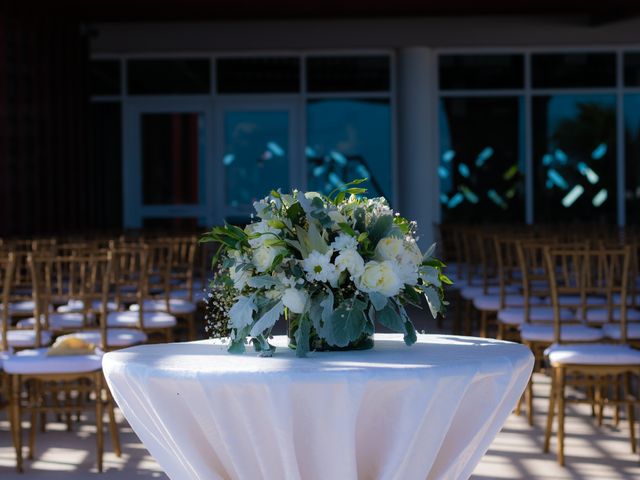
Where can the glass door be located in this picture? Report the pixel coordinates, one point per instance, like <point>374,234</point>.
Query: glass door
<point>166,166</point>
<point>257,150</point>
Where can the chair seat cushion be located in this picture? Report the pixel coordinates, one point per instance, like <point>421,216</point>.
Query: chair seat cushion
<point>26,338</point>
<point>515,315</point>
<point>176,306</point>
<point>469,293</point>
<point>198,295</point>
<point>593,354</point>
<point>24,307</point>
<point>572,300</point>
<point>630,299</point>
<point>492,302</point>
<point>568,333</point>
<point>116,337</point>
<point>601,315</point>
<point>149,319</point>
<point>74,306</point>
<point>59,321</point>
<point>612,331</point>
<point>36,361</point>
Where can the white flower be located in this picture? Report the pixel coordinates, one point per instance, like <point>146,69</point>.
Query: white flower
<point>404,254</point>
<point>344,242</point>
<point>263,257</point>
<point>390,248</point>
<point>272,294</point>
<point>286,281</point>
<point>380,277</point>
<point>265,233</point>
<point>319,268</point>
<point>351,261</point>
<point>295,300</point>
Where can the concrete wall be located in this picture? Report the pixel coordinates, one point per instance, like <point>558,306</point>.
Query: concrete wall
<point>367,33</point>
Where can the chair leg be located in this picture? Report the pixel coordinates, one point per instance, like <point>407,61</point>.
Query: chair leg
<point>113,426</point>
<point>17,414</point>
<point>627,397</point>
<point>561,406</point>
<point>529,396</point>
<point>550,412</point>
<point>483,323</point>
<point>99,421</point>
<point>191,323</point>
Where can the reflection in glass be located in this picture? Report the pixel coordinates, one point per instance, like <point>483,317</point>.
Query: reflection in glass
<point>632,160</point>
<point>574,156</point>
<point>256,155</point>
<point>172,157</point>
<point>481,159</point>
<point>632,69</point>
<point>346,140</point>
<point>258,75</point>
<point>348,74</point>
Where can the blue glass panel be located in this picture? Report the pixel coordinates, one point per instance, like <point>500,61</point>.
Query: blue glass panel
<point>256,155</point>
<point>481,159</point>
<point>349,139</point>
<point>632,161</point>
<point>574,156</point>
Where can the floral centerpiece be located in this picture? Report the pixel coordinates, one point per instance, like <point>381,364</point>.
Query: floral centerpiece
<point>331,265</point>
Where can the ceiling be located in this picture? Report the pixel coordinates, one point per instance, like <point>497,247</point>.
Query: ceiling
<point>168,10</point>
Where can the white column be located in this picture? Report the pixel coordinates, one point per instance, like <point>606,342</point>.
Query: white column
<point>418,182</point>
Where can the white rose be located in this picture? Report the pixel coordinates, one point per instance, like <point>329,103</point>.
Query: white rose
<point>351,261</point>
<point>390,248</point>
<point>264,231</point>
<point>263,257</point>
<point>295,300</point>
<point>380,277</point>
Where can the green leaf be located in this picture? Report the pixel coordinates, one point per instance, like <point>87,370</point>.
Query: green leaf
<point>362,237</point>
<point>433,299</point>
<point>295,213</point>
<point>241,314</point>
<point>410,337</point>
<point>380,228</point>
<point>237,346</point>
<point>434,262</point>
<point>390,318</point>
<point>316,242</point>
<point>356,191</point>
<point>347,229</point>
<point>429,253</point>
<point>412,296</point>
<point>263,281</point>
<point>445,279</point>
<point>267,320</point>
<point>348,321</point>
<point>339,198</point>
<point>302,336</point>
<point>378,300</point>
<point>360,215</point>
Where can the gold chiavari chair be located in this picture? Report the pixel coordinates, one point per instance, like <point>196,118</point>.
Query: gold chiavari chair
<point>6,274</point>
<point>593,366</point>
<point>39,379</point>
<point>168,270</point>
<point>136,280</point>
<point>537,328</point>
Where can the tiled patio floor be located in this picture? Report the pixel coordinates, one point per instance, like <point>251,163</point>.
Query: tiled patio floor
<point>592,452</point>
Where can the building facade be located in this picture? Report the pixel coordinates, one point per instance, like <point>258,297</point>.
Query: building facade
<point>503,118</point>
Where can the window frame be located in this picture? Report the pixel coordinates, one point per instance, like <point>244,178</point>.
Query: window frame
<point>528,93</point>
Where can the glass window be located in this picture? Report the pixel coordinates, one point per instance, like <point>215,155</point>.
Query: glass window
<point>172,157</point>
<point>258,75</point>
<point>256,154</point>
<point>464,72</point>
<point>159,77</point>
<point>632,69</point>
<point>104,77</point>
<point>481,159</point>
<point>175,224</point>
<point>632,161</point>
<point>349,139</point>
<point>574,156</point>
<point>348,74</point>
<point>574,70</point>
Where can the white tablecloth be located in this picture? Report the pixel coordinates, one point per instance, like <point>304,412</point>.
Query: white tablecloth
<point>394,412</point>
